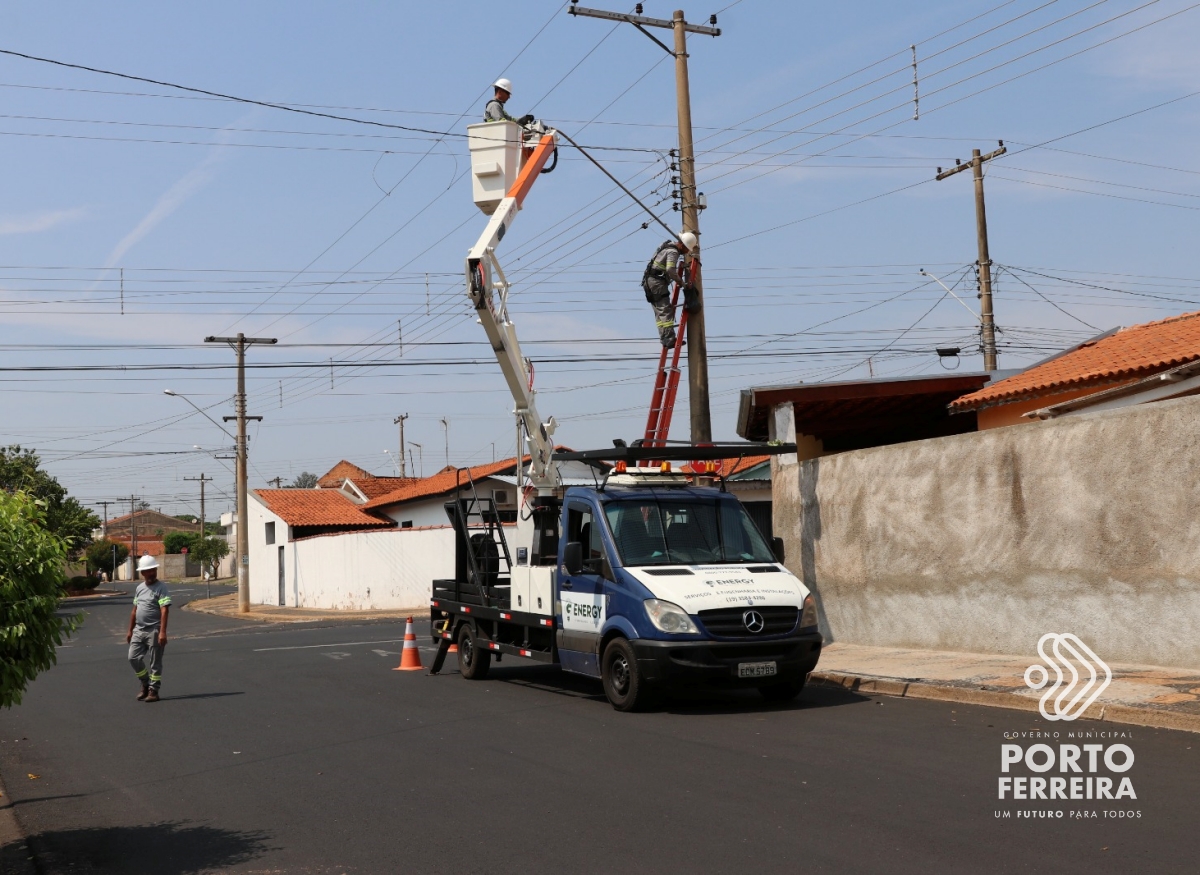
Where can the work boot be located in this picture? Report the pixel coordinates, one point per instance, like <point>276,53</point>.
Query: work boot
<point>144,693</point>
<point>152,696</point>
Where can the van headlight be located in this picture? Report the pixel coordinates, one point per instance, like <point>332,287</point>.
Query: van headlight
<point>669,617</point>
<point>809,616</point>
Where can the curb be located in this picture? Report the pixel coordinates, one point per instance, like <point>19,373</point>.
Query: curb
<point>202,606</point>
<point>15,855</point>
<point>92,599</point>
<point>1125,714</point>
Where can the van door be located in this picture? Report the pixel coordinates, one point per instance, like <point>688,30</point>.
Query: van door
<point>581,596</point>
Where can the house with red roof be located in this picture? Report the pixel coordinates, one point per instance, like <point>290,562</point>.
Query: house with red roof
<point>360,542</point>
<point>1143,363</point>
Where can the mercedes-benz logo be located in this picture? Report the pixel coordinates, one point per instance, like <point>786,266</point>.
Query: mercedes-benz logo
<point>754,621</point>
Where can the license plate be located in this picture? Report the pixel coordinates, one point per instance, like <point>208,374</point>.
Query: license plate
<point>756,669</point>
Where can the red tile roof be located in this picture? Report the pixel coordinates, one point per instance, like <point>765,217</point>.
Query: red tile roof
<point>442,482</point>
<point>343,470</point>
<point>1128,354</point>
<point>318,507</point>
<point>378,486</point>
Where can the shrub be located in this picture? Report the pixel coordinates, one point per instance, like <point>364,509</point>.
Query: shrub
<point>176,541</point>
<point>82,581</point>
<point>31,560</point>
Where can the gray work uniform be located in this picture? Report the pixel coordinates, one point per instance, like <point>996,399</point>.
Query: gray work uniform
<point>150,599</point>
<point>495,112</point>
<point>662,270</point>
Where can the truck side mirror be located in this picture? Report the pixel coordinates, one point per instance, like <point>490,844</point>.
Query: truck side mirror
<point>777,548</point>
<point>573,557</point>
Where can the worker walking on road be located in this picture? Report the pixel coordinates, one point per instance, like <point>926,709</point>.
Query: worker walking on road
<point>495,111</point>
<point>148,628</point>
<point>666,267</point>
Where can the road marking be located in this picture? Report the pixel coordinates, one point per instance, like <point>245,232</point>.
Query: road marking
<point>337,654</point>
<point>340,644</point>
<point>385,652</point>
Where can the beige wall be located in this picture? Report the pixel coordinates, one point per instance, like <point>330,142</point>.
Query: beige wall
<point>983,542</point>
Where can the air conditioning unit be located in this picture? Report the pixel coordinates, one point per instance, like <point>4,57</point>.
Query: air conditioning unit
<point>503,498</point>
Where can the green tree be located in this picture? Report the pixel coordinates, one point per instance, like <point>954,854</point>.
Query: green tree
<point>100,555</point>
<point>63,516</point>
<point>31,561</point>
<point>306,480</point>
<point>174,542</point>
<point>209,551</point>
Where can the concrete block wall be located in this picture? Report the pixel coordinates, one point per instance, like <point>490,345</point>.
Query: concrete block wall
<point>984,542</point>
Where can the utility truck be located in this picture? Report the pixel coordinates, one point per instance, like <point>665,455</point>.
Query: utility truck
<point>643,578</point>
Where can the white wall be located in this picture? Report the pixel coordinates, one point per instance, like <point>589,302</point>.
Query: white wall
<point>382,569</point>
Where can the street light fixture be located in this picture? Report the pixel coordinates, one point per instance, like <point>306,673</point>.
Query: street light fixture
<point>198,410</point>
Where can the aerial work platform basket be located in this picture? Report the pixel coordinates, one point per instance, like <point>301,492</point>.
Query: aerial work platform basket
<point>495,161</point>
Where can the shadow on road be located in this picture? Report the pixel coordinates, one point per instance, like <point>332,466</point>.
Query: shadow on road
<point>201,696</point>
<point>692,701</point>
<point>155,849</point>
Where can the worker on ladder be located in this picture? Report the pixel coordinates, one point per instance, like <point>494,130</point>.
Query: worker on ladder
<point>495,112</point>
<point>664,268</point>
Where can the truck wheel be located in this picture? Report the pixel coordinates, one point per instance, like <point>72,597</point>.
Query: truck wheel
<point>473,660</point>
<point>784,691</point>
<point>623,684</point>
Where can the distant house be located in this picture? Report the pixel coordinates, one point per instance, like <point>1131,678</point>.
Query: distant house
<point>1136,365</point>
<point>358,484</point>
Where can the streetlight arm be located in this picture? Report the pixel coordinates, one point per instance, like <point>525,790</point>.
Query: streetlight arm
<point>198,410</point>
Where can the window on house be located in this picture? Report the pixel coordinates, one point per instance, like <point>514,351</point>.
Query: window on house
<point>271,533</point>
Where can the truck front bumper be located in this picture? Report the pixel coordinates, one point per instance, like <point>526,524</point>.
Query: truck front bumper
<point>716,662</point>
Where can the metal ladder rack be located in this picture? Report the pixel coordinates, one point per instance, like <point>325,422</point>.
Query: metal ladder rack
<point>484,544</point>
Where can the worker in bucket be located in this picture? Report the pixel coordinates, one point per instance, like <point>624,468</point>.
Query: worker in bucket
<point>148,628</point>
<point>495,112</point>
<point>664,268</point>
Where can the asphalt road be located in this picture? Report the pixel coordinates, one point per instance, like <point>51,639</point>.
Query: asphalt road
<point>296,749</point>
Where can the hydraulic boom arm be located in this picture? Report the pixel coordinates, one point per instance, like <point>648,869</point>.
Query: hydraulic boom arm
<point>488,291</point>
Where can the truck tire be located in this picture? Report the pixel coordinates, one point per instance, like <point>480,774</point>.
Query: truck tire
<point>623,683</point>
<point>473,660</point>
<point>783,691</point>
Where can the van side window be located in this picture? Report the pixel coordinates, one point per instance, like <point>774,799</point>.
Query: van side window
<point>582,527</point>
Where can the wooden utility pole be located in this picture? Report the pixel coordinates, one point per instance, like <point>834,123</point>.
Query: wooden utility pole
<point>278,481</point>
<point>697,343</point>
<point>104,528</point>
<point>133,526</point>
<point>239,344</point>
<point>399,420</point>
<point>986,317</point>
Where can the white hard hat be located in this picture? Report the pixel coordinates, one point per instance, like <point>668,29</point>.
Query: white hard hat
<point>688,239</point>
<point>146,563</point>
<point>503,83</point>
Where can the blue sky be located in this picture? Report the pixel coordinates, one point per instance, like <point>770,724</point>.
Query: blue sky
<point>210,216</point>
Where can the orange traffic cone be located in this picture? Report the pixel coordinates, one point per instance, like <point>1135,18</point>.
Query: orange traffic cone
<point>410,657</point>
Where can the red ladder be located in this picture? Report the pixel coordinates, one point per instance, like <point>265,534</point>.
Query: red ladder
<point>666,384</point>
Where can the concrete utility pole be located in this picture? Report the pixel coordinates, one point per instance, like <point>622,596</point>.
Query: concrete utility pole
<point>239,344</point>
<point>399,420</point>
<point>104,528</point>
<point>986,317</point>
<point>202,479</point>
<point>697,342</point>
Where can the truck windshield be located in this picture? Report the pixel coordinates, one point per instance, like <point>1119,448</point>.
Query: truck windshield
<point>662,531</point>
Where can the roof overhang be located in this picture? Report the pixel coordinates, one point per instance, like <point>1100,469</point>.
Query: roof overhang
<point>861,413</point>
